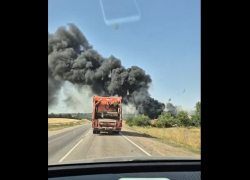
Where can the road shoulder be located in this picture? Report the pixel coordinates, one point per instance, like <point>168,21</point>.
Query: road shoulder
<point>155,146</point>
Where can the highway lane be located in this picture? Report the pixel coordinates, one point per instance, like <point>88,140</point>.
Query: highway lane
<point>61,143</point>
<point>81,144</point>
<point>95,146</point>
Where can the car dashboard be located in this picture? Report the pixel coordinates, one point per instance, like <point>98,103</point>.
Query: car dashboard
<point>138,170</point>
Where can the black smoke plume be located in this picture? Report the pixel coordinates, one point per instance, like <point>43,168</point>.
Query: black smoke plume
<point>172,109</point>
<point>71,58</point>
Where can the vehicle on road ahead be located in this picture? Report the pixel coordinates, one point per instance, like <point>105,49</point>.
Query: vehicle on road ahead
<point>149,53</point>
<point>107,114</point>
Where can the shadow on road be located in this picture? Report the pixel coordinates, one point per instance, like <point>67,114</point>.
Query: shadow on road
<point>130,133</point>
<point>108,134</point>
<point>126,133</point>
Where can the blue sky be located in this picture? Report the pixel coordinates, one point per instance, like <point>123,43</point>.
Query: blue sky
<point>165,41</point>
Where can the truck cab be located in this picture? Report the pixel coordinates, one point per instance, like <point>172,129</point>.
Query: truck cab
<point>107,114</point>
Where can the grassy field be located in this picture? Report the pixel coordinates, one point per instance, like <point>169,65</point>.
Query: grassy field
<point>55,124</point>
<point>184,137</point>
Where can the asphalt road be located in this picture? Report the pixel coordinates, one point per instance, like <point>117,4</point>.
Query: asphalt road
<point>80,143</point>
<point>60,144</point>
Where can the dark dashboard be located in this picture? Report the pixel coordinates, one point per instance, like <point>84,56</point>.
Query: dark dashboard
<point>155,170</point>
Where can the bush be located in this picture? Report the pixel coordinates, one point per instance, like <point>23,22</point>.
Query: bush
<point>160,123</point>
<point>195,121</point>
<point>138,121</point>
<point>142,121</point>
<point>166,120</point>
<point>183,118</point>
<point>129,121</point>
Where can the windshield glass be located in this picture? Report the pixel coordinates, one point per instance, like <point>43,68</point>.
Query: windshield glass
<point>123,80</point>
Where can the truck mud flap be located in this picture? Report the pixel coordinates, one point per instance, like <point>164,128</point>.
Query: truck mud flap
<point>96,132</point>
<point>116,132</point>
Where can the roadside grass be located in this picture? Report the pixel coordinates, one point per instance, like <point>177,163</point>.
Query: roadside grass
<point>187,138</point>
<point>55,124</point>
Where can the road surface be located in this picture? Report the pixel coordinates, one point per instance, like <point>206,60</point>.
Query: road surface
<point>80,143</point>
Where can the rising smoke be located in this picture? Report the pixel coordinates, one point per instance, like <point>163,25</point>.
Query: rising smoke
<point>71,58</point>
<point>174,110</point>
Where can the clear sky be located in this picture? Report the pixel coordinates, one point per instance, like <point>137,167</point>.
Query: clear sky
<point>164,40</point>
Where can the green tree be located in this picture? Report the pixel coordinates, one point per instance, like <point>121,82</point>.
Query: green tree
<point>166,120</point>
<point>138,121</point>
<point>129,121</point>
<point>183,118</point>
<point>142,121</point>
<point>196,119</point>
<point>198,108</point>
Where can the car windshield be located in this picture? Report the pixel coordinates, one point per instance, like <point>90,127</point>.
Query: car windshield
<point>123,80</point>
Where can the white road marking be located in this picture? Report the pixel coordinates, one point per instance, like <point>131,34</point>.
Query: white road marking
<point>64,131</point>
<point>70,151</point>
<point>58,137</point>
<point>68,130</point>
<point>63,135</point>
<point>88,133</point>
<point>136,145</point>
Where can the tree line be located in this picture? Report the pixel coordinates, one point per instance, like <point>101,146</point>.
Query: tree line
<point>169,119</point>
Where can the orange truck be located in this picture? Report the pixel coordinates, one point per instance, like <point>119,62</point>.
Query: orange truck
<point>107,114</point>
